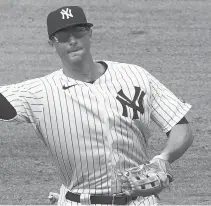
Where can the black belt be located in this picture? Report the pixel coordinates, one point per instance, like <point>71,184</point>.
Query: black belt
<point>102,199</point>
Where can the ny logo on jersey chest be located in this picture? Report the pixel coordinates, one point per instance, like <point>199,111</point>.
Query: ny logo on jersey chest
<point>126,102</point>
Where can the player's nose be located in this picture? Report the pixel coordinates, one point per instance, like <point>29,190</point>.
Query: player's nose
<point>71,40</point>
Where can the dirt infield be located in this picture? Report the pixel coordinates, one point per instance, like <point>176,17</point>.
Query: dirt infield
<point>171,39</point>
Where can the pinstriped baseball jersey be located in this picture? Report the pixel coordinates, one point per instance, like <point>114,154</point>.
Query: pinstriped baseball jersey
<point>95,130</point>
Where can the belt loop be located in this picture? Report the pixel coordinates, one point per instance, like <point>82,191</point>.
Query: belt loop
<point>85,199</point>
<point>128,198</point>
<point>113,198</point>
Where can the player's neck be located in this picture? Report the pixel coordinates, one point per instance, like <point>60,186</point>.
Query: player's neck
<point>85,71</point>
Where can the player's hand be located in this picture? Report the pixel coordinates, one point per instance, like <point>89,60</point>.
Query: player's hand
<point>53,197</point>
<point>148,179</point>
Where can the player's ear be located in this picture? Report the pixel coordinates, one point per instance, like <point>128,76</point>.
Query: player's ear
<point>50,42</point>
<point>90,33</point>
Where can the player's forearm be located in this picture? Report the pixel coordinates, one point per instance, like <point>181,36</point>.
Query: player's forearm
<point>180,139</point>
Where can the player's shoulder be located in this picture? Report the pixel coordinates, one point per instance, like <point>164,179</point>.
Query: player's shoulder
<point>128,68</point>
<point>53,74</point>
<point>52,77</point>
<point>35,84</point>
<point>29,84</point>
<point>123,65</point>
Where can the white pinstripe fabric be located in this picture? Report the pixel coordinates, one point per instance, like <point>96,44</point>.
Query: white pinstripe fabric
<point>84,126</point>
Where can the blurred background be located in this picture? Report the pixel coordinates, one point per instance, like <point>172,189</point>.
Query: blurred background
<point>170,39</point>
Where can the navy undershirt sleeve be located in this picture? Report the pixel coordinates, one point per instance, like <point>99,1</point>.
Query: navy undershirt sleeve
<point>182,121</point>
<point>7,111</point>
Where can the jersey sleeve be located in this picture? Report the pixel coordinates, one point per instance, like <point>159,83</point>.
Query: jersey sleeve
<point>167,109</point>
<point>27,100</point>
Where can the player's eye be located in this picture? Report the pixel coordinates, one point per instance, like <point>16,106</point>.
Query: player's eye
<point>62,36</point>
<point>77,32</point>
<point>79,29</point>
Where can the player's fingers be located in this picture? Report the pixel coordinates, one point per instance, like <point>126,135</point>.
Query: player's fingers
<point>53,197</point>
<point>148,186</point>
<point>127,192</point>
<point>125,184</point>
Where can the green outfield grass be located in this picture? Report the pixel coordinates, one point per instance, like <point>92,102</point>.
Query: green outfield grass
<point>171,39</point>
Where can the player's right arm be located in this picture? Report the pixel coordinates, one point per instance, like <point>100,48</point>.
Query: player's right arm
<point>22,102</point>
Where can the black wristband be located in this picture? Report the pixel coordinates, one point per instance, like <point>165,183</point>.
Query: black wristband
<point>7,111</point>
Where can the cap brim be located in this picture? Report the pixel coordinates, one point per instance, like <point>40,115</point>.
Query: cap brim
<point>72,25</point>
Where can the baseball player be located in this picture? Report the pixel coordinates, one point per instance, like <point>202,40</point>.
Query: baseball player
<point>94,117</point>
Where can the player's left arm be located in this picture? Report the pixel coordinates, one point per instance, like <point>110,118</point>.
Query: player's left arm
<point>179,140</point>
<point>169,113</point>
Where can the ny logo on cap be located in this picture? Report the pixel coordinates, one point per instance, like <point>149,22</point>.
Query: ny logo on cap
<point>66,13</point>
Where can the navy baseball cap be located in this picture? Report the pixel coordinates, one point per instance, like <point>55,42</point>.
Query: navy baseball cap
<point>65,17</point>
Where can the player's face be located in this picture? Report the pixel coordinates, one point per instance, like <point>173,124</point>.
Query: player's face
<point>73,44</point>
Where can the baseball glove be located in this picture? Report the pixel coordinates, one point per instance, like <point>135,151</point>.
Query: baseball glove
<point>148,179</point>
